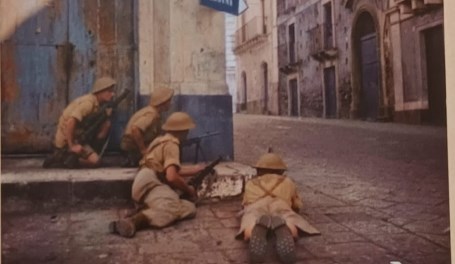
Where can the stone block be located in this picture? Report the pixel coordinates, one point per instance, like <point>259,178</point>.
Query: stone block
<point>227,182</point>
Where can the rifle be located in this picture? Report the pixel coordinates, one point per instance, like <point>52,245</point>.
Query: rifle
<point>197,142</point>
<point>86,131</point>
<point>197,180</point>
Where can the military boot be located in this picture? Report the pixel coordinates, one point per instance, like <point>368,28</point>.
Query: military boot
<point>127,227</point>
<point>285,246</point>
<point>258,241</point>
<point>54,160</point>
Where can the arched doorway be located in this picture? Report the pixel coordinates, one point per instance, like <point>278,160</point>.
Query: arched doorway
<point>265,86</point>
<point>366,49</point>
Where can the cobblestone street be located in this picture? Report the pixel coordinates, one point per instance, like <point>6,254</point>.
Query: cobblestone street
<point>378,193</point>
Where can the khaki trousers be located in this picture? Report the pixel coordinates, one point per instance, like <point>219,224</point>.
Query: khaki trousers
<point>273,207</point>
<point>163,205</point>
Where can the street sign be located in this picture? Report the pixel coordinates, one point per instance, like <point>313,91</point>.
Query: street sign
<point>235,7</point>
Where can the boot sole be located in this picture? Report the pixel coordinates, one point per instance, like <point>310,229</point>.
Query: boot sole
<point>285,246</point>
<point>258,241</point>
<point>124,228</point>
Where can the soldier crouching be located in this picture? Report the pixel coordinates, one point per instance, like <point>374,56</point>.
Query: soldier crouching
<point>68,151</point>
<point>160,172</point>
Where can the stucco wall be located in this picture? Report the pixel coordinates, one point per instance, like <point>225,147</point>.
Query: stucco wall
<point>198,49</point>
<point>251,60</point>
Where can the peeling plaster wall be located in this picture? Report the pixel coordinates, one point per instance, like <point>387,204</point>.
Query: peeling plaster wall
<point>308,16</point>
<point>17,12</point>
<point>310,82</point>
<point>402,81</point>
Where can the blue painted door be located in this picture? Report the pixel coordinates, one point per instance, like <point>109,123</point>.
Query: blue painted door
<point>54,57</point>
<point>369,105</point>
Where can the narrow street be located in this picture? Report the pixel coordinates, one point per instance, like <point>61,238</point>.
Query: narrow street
<point>370,188</point>
<point>378,193</point>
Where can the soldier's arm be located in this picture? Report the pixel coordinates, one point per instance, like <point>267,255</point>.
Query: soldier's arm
<point>191,170</point>
<point>69,134</point>
<point>138,138</point>
<point>176,181</point>
<point>138,129</point>
<point>297,203</point>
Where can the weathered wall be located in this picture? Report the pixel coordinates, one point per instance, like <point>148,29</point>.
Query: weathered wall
<point>145,39</point>
<point>189,56</point>
<point>402,82</point>
<point>412,45</point>
<point>252,58</point>
<point>310,74</point>
<point>198,49</point>
<point>231,64</point>
<point>17,12</point>
<point>179,44</point>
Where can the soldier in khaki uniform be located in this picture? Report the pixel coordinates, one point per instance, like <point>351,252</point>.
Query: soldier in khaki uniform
<point>271,204</point>
<point>160,172</point>
<point>74,113</point>
<point>144,126</point>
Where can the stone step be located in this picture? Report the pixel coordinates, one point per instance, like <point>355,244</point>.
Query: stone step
<point>25,179</point>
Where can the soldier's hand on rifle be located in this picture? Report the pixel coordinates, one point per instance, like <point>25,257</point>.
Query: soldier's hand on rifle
<point>76,148</point>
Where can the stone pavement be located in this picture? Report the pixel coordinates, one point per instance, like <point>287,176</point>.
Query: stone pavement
<point>378,193</point>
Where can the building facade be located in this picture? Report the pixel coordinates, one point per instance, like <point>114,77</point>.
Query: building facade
<point>231,64</point>
<point>54,54</point>
<point>362,59</point>
<point>257,68</point>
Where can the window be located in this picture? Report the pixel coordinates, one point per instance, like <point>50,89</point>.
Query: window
<point>264,26</point>
<point>293,98</point>
<point>291,43</point>
<point>328,26</point>
<point>244,104</point>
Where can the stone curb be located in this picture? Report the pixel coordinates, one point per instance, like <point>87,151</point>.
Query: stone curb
<point>38,185</point>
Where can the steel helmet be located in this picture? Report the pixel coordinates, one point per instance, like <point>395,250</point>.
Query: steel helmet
<point>161,95</point>
<point>103,84</point>
<point>178,121</point>
<point>270,161</point>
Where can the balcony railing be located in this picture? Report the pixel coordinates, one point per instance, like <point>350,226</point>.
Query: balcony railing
<point>252,29</point>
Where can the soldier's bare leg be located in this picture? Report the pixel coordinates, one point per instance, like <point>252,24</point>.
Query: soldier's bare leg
<point>104,130</point>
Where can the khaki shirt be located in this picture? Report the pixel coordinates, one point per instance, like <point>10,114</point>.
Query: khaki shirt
<point>148,121</point>
<point>161,153</point>
<point>79,109</point>
<point>272,185</point>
